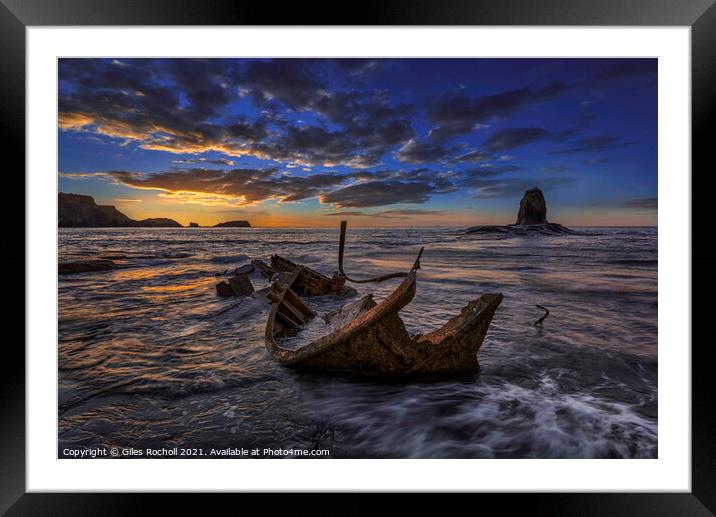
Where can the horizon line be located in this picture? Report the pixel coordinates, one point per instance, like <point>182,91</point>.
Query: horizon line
<point>329,227</point>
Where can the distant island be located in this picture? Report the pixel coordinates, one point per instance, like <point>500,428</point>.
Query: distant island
<point>233,224</point>
<point>531,219</point>
<point>78,211</point>
<point>227,224</point>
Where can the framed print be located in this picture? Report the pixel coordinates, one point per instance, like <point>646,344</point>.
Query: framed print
<point>444,251</point>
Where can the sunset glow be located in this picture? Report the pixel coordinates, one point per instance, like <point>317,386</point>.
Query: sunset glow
<point>377,142</point>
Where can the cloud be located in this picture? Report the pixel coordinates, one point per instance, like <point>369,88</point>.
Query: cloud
<point>388,214</point>
<point>514,187</point>
<point>205,85</point>
<point>423,151</point>
<point>555,168</point>
<point>595,144</point>
<point>219,161</point>
<point>457,114</point>
<point>357,66</point>
<point>356,109</point>
<point>378,193</point>
<point>409,212</point>
<point>476,176</point>
<point>81,175</point>
<point>239,187</point>
<point>507,139</point>
<point>182,106</point>
<point>312,145</point>
<point>234,187</point>
<point>386,188</point>
<point>158,105</point>
<point>289,81</point>
<point>349,213</point>
<point>646,203</point>
<point>629,68</point>
<point>441,181</point>
<point>358,189</point>
<point>471,156</point>
<point>299,188</point>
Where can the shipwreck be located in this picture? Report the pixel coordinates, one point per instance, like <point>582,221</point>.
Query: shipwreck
<point>369,337</point>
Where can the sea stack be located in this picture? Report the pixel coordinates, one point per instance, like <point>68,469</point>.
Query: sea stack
<point>531,219</point>
<point>533,208</point>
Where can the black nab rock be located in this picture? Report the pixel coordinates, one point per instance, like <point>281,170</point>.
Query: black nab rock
<point>531,219</point>
<point>533,208</point>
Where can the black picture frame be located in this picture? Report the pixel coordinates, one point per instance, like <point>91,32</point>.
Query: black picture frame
<point>700,15</point>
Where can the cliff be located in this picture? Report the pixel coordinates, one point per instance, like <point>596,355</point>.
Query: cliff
<point>233,224</point>
<point>78,211</point>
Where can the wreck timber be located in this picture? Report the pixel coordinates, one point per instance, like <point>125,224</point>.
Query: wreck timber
<point>289,311</point>
<point>308,282</point>
<point>341,249</point>
<point>366,337</point>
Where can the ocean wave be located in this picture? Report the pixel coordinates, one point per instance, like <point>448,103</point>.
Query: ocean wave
<point>486,420</point>
<point>229,259</point>
<point>155,340</point>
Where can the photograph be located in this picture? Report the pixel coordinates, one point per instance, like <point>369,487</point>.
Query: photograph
<point>357,258</point>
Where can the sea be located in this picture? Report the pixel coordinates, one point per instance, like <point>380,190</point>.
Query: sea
<point>149,357</point>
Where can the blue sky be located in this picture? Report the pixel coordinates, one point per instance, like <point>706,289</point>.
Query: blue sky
<point>381,142</point>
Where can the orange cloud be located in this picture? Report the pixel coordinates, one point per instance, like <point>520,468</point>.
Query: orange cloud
<point>73,121</point>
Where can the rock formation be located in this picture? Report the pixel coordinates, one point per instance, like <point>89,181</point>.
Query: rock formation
<point>78,211</point>
<point>193,225</point>
<point>233,224</point>
<point>531,219</point>
<point>84,266</point>
<point>533,208</point>
<point>156,222</point>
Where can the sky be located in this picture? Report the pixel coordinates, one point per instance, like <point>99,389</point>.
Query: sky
<point>377,142</point>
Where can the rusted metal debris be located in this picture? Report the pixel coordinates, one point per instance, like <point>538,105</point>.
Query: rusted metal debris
<point>264,268</point>
<point>291,311</point>
<point>546,313</point>
<point>309,282</point>
<point>246,269</point>
<point>370,338</point>
<point>341,248</point>
<point>238,285</point>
